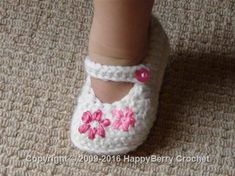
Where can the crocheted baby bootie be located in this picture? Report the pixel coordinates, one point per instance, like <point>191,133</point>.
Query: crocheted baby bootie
<point>121,126</point>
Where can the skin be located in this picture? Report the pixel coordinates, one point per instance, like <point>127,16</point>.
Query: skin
<point>119,36</point>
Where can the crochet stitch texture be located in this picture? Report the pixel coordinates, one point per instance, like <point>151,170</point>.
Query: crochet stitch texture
<point>131,118</point>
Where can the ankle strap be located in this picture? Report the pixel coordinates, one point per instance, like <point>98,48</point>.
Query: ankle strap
<point>135,74</point>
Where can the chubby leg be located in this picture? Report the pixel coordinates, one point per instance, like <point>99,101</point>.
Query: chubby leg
<point>119,36</point>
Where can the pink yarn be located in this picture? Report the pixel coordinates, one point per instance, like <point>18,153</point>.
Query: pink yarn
<point>93,124</point>
<point>124,119</point>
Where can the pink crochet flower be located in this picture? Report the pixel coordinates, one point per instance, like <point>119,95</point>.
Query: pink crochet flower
<point>124,119</point>
<point>93,124</point>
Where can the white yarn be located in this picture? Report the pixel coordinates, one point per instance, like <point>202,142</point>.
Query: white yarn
<point>142,99</point>
<point>113,73</point>
<point>115,141</point>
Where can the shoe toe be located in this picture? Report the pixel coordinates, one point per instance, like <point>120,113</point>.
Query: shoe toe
<point>111,128</point>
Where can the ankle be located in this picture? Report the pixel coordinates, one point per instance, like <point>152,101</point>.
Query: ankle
<point>121,38</point>
<point>107,60</point>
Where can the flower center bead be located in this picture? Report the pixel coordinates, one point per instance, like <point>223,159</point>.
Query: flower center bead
<point>94,124</point>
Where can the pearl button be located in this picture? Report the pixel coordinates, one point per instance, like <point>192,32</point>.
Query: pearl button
<point>142,74</point>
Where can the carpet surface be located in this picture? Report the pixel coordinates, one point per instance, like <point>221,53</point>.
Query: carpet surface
<point>42,47</point>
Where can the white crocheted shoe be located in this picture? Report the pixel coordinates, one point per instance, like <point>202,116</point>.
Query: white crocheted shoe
<point>120,127</point>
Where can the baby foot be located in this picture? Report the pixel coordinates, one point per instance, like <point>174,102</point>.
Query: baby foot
<point>110,91</point>
<point>117,105</point>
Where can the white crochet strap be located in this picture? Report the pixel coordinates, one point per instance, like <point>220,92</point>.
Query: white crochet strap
<point>136,74</point>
